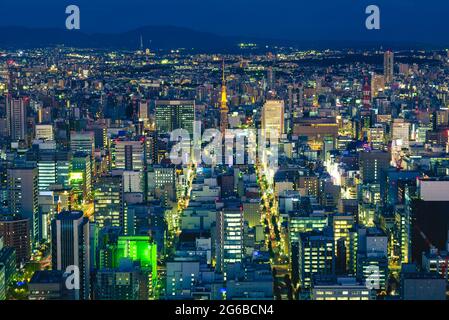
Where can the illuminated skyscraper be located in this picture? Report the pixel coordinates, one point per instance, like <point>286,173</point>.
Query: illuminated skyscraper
<point>316,256</point>
<point>129,155</point>
<point>71,247</point>
<point>175,114</point>
<point>23,196</point>
<point>81,175</point>
<point>377,84</point>
<point>389,66</point>
<point>229,236</point>
<point>273,117</point>
<point>108,192</point>
<point>16,118</point>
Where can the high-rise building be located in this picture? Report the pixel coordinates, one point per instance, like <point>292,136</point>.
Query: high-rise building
<point>71,247</point>
<point>143,110</point>
<point>129,155</point>
<point>273,117</point>
<point>229,236</point>
<point>16,118</point>
<point>108,200</point>
<point>401,133</point>
<point>389,66</point>
<point>80,177</point>
<point>175,114</point>
<point>16,235</point>
<point>373,165</point>
<point>316,256</point>
<point>83,142</point>
<point>23,197</point>
<point>377,85</point>
<point>53,168</point>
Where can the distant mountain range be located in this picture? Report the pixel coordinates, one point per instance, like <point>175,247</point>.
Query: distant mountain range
<point>162,37</point>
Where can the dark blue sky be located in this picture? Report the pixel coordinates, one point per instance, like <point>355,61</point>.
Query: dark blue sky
<point>401,20</point>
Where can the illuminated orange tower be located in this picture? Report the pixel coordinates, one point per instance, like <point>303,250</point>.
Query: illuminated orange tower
<point>223,104</point>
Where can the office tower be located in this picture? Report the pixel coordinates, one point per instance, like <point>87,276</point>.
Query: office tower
<point>129,155</point>
<point>23,197</point>
<point>143,110</point>
<point>16,118</point>
<point>44,132</point>
<point>372,257</point>
<point>108,200</point>
<point>376,136</point>
<point>372,166</point>
<point>151,147</point>
<point>299,223</point>
<point>174,114</point>
<point>270,78</point>
<point>83,142</point>
<point>401,133</point>
<point>49,285</point>
<point>295,100</point>
<point>100,131</point>
<point>315,256</point>
<point>71,247</point>
<point>389,66</point>
<point>48,208</point>
<point>273,117</point>
<point>80,177</point>
<point>16,235</point>
<point>342,224</point>
<point>229,246</point>
<point>164,182</point>
<point>53,168</point>
<point>377,85</point>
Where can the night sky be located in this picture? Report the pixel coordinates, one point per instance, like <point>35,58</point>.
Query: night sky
<point>401,20</point>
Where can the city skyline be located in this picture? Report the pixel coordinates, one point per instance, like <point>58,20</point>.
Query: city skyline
<point>221,171</point>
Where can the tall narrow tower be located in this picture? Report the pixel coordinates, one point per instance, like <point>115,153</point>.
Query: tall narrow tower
<point>223,104</point>
<point>366,94</point>
<point>389,66</point>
